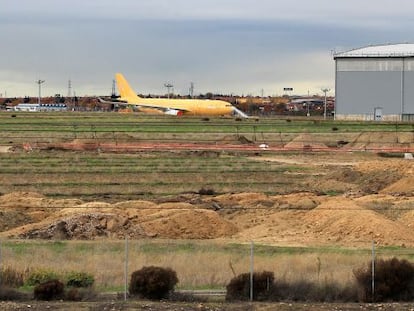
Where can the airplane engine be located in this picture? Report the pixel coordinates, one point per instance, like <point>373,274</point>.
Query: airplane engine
<point>174,112</point>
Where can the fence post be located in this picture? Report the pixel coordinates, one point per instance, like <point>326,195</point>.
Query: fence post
<point>1,266</point>
<point>373,272</point>
<point>126,268</point>
<point>251,269</point>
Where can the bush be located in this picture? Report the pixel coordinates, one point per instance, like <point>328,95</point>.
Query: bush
<point>206,191</point>
<point>394,280</point>
<point>73,294</point>
<point>10,277</point>
<point>153,282</point>
<point>40,276</point>
<point>49,290</point>
<point>303,290</point>
<point>80,294</point>
<point>79,279</point>
<point>239,286</point>
<point>7,293</point>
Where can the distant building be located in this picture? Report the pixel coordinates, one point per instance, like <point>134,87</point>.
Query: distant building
<point>375,83</point>
<point>37,107</point>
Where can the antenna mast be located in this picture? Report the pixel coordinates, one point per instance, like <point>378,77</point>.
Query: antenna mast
<point>191,90</point>
<point>113,94</point>
<point>40,89</point>
<point>69,88</point>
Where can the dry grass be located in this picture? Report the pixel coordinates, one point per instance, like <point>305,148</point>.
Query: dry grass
<point>67,174</point>
<point>198,264</point>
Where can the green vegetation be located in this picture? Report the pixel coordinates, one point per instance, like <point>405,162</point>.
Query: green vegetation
<point>46,127</point>
<point>40,276</point>
<point>79,279</point>
<point>125,176</point>
<point>95,175</point>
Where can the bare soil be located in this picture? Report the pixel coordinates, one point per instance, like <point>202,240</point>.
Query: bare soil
<point>376,204</point>
<point>184,306</point>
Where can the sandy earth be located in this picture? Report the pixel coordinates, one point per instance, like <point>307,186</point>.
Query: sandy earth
<point>380,210</point>
<point>377,204</point>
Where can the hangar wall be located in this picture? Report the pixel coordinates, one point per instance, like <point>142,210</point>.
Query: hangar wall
<point>363,84</point>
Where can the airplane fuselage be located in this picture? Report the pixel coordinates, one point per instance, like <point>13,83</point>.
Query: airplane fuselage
<point>174,106</point>
<point>187,106</point>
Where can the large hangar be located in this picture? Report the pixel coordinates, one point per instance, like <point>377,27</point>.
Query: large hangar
<point>375,83</point>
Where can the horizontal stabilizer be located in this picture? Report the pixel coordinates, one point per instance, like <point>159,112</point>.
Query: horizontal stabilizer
<point>239,113</point>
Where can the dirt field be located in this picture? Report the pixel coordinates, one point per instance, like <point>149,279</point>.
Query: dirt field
<point>343,196</point>
<point>376,204</point>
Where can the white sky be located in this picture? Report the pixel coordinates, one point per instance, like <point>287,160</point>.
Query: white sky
<point>224,46</point>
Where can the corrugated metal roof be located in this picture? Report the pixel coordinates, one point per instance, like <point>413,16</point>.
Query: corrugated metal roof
<point>387,50</point>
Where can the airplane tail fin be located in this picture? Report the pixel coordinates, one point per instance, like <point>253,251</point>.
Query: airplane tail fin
<point>124,88</point>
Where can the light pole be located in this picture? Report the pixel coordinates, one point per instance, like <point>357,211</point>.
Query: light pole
<point>40,89</point>
<point>325,90</point>
<point>168,86</point>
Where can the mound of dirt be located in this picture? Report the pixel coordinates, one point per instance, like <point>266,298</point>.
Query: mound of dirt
<point>407,218</point>
<point>343,221</point>
<point>393,166</point>
<point>381,140</point>
<point>135,219</point>
<point>306,142</point>
<point>84,226</point>
<point>246,200</point>
<point>372,176</point>
<point>236,139</point>
<point>404,186</point>
<point>294,219</point>
<point>187,224</point>
<point>20,198</point>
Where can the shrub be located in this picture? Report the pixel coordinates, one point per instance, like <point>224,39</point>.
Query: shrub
<point>303,290</point>
<point>394,280</point>
<point>73,294</point>
<point>80,294</point>
<point>40,276</point>
<point>239,286</point>
<point>7,293</point>
<point>11,277</point>
<point>206,191</point>
<point>79,279</point>
<point>153,282</point>
<point>49,290</point>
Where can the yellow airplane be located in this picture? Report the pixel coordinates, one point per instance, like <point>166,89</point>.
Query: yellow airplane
<point>177,107</point>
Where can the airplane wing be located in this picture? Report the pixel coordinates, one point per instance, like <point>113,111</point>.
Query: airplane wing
<point>164,110</point>
<point>138,106</point>
<point>113,101</point>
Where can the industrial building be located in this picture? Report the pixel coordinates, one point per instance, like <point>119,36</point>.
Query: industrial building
<point>37,107</point>
<point>375,83</point>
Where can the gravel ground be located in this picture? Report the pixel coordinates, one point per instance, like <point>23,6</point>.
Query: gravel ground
<point>164,306</point>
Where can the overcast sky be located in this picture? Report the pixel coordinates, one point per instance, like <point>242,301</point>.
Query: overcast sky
<point>222,46</point>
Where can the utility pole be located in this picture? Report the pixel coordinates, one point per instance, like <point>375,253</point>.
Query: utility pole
<point>113,92</point>
<point>69,88</point>
<point>69,91</point>
<point>191,90</point>
<point>39,82</point>
<point>168,86</point>
<point>325,90</point>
